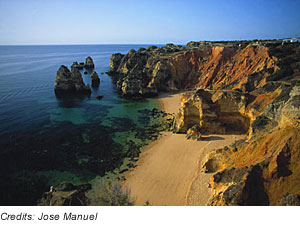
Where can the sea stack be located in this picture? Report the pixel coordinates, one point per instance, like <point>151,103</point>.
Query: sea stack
<point>76,65</point>
<point>89,63</point>
<point>95,79</point>
<point>70,82</point>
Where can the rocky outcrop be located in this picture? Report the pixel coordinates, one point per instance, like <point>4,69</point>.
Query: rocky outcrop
<point>193,133</point>
<point>76,65</point>
<point>289,200</point>
<point>242,186</point>
<point>272,147</point>
<point>89,63</point>
<point>70,82</point>
<point>215,112</point>
<point>95,79</point>
<point>149,71</point>
<point>66,194</point>
<point>245,87</point>
<point>115,61</point>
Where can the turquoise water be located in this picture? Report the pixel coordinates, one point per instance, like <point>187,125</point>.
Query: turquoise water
<point>45,140</point>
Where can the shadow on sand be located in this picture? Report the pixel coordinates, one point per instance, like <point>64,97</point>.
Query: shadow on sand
<point>210,138</point>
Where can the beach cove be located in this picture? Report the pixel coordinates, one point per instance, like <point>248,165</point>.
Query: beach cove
<point>169,171</point>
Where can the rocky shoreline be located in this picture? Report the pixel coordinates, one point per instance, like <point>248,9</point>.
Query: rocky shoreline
<point>249,88</point>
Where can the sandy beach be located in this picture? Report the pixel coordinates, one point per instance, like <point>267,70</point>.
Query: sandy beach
<point>169,170</point>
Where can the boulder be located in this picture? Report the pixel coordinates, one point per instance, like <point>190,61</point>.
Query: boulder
<point>194,133</point>
<point>66,194</point>
<point>70,82</point>
<point>89,63</point>
<point>76,65</point>
<point>95,79</point>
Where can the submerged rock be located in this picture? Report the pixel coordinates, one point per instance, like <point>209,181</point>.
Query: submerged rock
<point>70,82</point>
<point>66,194</point>
<point>89,63</point>
<point>95,79</point>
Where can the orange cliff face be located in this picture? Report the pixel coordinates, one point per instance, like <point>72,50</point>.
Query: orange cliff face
<point>253,91</point>
<point>217,67</point>
<point>148,71</point>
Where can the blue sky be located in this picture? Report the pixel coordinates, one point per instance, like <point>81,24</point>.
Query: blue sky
<point>132,21</point>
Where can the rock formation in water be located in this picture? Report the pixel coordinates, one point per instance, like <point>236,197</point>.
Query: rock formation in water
<point>76,65</point>
<point>70,82</point>
<point>95,79</point>
<point>89,63</point>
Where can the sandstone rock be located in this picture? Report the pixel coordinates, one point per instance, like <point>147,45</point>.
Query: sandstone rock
<point>289,200</point>
<point>89,63</point>
<point>66,194</point>
<point>151,48</point>
<point>217,112</point>
<point>241,186</point>
<point>95,79</point>
<point>115,61</point>
<point>194,133</point>
<point>70,82</point>
<point>175,67</point>
<point>76,65</point>
<point>291,109</point>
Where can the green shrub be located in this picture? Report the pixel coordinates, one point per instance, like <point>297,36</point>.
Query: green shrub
<point>113,194</point>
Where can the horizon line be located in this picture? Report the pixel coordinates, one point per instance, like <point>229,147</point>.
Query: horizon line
<point>231,40</point>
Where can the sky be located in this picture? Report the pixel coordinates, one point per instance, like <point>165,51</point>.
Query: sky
<point>27,22</point>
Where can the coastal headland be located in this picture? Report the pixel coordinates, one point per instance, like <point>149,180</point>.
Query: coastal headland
<point>239,101</point>
<point>233,137</point>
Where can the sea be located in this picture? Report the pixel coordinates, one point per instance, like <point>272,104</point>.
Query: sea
<point>46,140</point>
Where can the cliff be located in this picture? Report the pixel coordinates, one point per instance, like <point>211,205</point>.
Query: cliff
<point>261,169</point>
<point>250,88</point>
<point>149,71</point>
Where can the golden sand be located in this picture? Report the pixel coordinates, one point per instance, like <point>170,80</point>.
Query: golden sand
<point>168,171</point>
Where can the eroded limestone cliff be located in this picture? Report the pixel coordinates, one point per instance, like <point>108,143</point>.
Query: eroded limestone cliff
<point>251,89</point>
<point>169,68</point>
<point>263,168</point>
